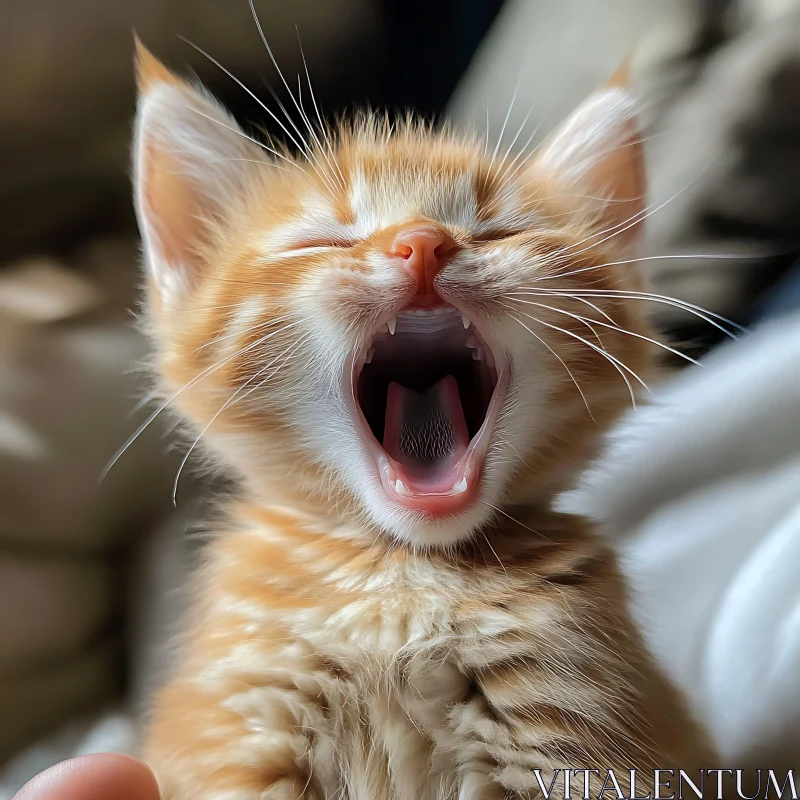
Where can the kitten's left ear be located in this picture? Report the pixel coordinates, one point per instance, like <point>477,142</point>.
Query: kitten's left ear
<point>598,152</point>
<point>190,161</point>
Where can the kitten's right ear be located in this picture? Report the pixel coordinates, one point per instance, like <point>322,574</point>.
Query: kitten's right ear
<point>190,160</point>
<point>598,152</point>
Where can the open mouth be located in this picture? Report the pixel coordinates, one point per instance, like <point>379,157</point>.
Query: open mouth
<point>426,395</point>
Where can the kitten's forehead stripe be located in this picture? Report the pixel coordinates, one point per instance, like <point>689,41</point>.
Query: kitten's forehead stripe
<point>382,196</point>
<point>363,203</point>
<point>385,182</point>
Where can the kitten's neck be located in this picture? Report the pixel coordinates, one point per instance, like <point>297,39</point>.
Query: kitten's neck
<point>515,534</point>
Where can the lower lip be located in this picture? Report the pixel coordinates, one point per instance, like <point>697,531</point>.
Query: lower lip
<point>440,503</point>
<point>434,503</point>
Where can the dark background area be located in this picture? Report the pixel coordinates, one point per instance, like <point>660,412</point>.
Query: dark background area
<point>69,96</point>
<point>428,45</point>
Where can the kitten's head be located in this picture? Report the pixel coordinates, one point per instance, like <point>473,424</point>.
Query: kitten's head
<point>407,329</point>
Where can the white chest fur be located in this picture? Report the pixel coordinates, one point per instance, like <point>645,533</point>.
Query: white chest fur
<point>392,678</point>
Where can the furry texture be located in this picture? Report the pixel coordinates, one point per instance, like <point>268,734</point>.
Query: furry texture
<point>342,645</point>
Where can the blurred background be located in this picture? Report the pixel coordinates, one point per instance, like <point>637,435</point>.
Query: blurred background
<point>89,570</point>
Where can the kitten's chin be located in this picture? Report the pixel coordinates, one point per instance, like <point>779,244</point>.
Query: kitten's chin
<point>425,397</point>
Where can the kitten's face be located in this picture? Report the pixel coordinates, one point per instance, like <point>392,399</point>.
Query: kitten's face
<point>384,332</point>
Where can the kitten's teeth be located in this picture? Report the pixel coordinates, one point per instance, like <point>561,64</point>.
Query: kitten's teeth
<point>465,321</point>
<point>478,354</point>
<point>391,325</point>
<point>461,486</point>
<point>370,353</point>
<point>401,488</point>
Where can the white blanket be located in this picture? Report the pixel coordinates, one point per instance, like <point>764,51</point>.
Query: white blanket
<point>701,493</point>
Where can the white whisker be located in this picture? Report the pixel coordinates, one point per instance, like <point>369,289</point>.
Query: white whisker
<point>280,74</point>
<point>617,328</point>
<point>505,121</point>
<point>146,424</point>
<point>322,127</point>
<point>247,161</point>
<point>249,138</point>
<point>246,89</point>
<point>232,399</point>
<point>677,256</point>
<point>563,363</point>
<point>505,177</point>
<point>249,330</point>
<point>506,442</point>
<point>698,311</point>
<point>615,362</point>
<point>307,150</point>
<point>571,297</point>
<point>620,228</point>
<point>516,136</point>
<point>494,553</point>
<point>513,519</point>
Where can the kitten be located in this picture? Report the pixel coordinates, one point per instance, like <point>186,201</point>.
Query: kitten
<point>402,346</point>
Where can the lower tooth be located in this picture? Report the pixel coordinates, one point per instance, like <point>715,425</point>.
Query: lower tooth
<point>370,353</point>
<point>460,487</point>
<point>401,488</point>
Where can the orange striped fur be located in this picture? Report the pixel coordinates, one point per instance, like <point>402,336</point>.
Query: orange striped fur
<point>339,647</point>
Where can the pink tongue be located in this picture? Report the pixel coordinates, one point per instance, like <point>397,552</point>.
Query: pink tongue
<point>425,432</point>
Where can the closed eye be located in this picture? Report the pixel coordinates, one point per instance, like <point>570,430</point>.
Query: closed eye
<point>496,236</point>
<point>311,246</point>
<point>316,244</point>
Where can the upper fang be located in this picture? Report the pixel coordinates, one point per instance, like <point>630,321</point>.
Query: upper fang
<point>391,325</point>
<point>465,321</point>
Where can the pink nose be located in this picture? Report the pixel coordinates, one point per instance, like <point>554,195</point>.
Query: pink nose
<point>425,252</point>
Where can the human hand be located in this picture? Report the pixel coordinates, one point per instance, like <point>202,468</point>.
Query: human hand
<point>104,776</point>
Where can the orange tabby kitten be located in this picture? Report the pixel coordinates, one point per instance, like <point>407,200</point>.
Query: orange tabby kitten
<point>404,346</point>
